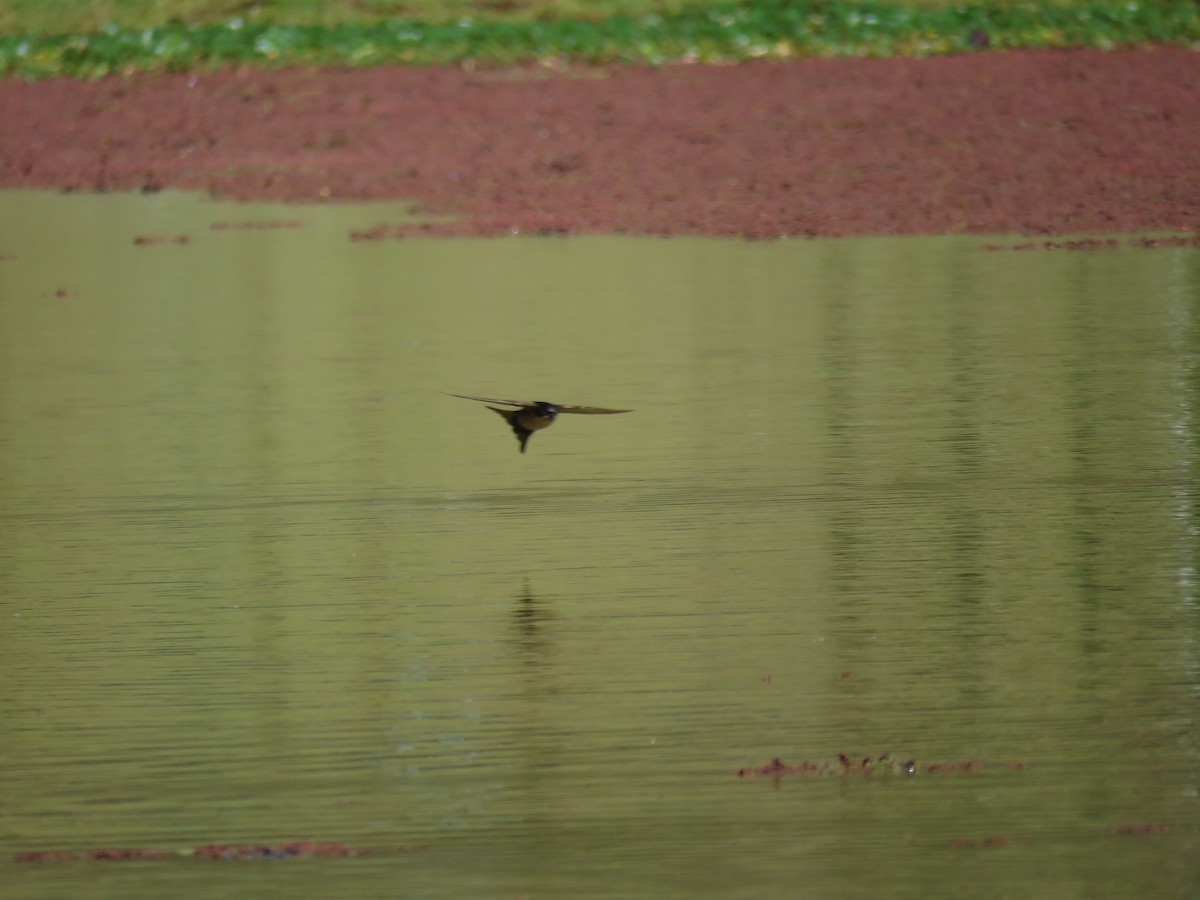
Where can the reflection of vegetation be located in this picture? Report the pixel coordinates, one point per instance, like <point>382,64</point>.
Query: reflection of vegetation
<point>704,32</point>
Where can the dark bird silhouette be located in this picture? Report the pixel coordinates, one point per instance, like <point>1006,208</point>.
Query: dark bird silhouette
<point>534,415</point>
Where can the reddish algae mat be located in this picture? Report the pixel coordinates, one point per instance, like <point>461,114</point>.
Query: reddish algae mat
<point>1034,142</point>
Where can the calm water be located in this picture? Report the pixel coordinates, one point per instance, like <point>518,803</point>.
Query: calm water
<point>261,581</point>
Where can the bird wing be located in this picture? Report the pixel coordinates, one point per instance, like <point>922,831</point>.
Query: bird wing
<point>562,407</point>
<point>590,410</point>
<point>524,403</point>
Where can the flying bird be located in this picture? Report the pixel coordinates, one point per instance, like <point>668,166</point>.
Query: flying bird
<point>534,415</point>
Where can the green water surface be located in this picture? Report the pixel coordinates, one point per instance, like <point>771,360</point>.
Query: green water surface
<point>261,581</point>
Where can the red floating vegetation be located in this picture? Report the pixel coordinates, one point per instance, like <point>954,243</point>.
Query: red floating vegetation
<point>219,852</point>
<point>264,851</point>
<point>46,856</point>
<point>530,225</point>
<point>1143,828</point>
<point>776,768</point>
<point>1144,243</point>
<point>266,225</point>
<point>866,765</point>
<point>964,765</point>
<point>125,854</point>
<point>374,233</point>
<point>120,854</point>
<point>654,150</point>
<point>150,240</point>
<point>1155,243</point>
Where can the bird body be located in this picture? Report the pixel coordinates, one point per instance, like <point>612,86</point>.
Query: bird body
<point>534,415</point>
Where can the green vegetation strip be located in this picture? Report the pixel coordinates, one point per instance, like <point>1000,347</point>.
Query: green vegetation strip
<point>771,29</point>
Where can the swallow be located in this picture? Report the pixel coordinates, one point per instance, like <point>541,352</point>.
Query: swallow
<point>534,415</point>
